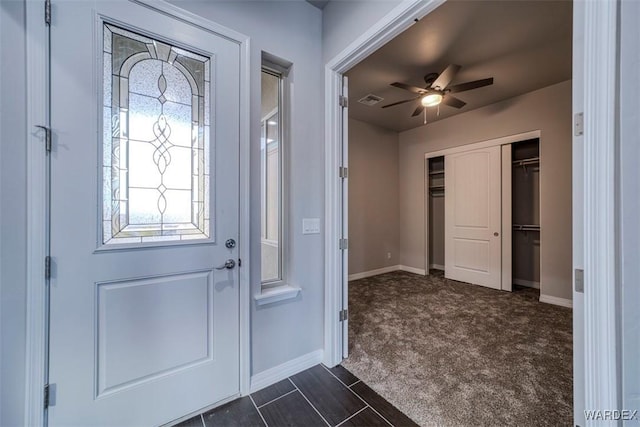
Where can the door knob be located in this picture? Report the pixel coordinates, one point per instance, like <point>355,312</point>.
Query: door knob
<point>496,234</point>
<point>228,264</point>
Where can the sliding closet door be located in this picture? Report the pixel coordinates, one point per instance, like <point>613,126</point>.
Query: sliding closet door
<point>472,217</point>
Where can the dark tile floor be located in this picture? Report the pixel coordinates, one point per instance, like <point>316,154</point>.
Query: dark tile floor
<point>318,396</point>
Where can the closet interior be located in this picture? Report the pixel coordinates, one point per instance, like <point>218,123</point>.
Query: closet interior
<point>526,213</point>
<point>435,182</point>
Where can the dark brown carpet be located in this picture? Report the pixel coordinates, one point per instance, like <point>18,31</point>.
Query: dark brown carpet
<point>452,354</point>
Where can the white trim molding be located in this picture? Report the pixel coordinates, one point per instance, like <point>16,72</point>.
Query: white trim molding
<point>394,23</point>
<point>376,272</point>
<point>563,302</point>
<point>278,373</point>
<point>503,140</point>
<point>37,221</point>
<point>602,377</point>
<point>413,270</point>
<point>276,294</point>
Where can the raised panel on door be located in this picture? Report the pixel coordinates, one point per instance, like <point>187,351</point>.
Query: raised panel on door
<point>144,328</point>
<point>472,217</point>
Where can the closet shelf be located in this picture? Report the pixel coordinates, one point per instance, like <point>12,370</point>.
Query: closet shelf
<point>527,162</point>
<point>526,227</point>
<point>436,173</point>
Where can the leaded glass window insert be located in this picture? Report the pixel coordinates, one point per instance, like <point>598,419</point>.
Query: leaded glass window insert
<point>156,140</point>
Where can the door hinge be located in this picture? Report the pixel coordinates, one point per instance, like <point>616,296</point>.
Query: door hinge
<point>344,244</point>
<point>343,315</point>
<point>47,137</point>
<point>343,172</point>
<point>239,262</point>
<point>47,12</point>
<point>49,395</point>
<point>343,101</point>
<point>579,280</point>
<point>578,124</point>
<point>47,267</point>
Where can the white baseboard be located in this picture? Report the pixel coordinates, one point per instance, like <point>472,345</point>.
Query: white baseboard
<point>526,283</point>
<point>436,267</point>
<point>375,272</point>
<point>556,301</point>
<point>412,270</point>
<point>278,373</point>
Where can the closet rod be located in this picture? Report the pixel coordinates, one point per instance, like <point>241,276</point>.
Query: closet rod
<point>526,227</point>
<point>525,162</point>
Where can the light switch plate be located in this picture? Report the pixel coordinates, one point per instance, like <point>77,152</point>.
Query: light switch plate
<point>311,226</point>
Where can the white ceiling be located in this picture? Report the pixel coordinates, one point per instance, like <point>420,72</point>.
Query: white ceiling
<point>523,45</point>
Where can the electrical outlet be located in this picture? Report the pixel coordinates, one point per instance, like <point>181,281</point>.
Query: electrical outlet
<point>388,255</point>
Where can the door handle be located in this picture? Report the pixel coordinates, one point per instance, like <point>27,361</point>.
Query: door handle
<point>228,264</point>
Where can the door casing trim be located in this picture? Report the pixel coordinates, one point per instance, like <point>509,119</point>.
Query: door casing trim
<point>392,24</point>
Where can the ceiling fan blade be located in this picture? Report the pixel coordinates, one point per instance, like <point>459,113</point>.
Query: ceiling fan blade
<point>401,102</point>
<point>452,101</point>
<point>470,85</point>
<point>410,88</point>
<point>418,111</point>
<point>446,76</point>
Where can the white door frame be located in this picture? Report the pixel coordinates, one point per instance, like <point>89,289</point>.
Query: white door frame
<point>600,228</point>
<point>38,114</point>
<point>394,23</point>
<point>598,29</point>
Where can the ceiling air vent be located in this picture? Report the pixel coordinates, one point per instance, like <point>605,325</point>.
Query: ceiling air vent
<point>370,100</point>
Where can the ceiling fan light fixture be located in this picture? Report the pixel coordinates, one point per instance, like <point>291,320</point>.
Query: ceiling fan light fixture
<point>431,100</point>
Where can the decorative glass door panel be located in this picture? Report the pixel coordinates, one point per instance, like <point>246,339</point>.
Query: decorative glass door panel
<point>156,141</point>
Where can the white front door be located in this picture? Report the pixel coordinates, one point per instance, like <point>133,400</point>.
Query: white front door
<point>144,194</point>
<point>472,217</point>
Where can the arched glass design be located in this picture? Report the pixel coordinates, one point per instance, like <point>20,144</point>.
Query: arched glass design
<point>156,141</point>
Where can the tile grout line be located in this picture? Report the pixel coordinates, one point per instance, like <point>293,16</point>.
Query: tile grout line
<point>358,396</point>
<point>259,413</point>
<point>359,381</point>
<point>202,419</point>
<point>305,398</point>
<point>279,397</point>
<point>348,418</point>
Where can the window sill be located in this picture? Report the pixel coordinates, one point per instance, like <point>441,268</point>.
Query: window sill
<point>276,294</point>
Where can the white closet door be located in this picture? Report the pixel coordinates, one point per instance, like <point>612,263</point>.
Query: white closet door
<point>472,217</point>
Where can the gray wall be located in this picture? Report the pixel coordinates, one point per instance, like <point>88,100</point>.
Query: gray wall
<point>13,212</point>
<point>547,110</point>
<point>373,197</point>
<point>346,20</point>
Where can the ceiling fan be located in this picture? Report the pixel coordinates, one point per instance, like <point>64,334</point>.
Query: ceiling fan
<point>438,90</point>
